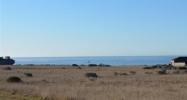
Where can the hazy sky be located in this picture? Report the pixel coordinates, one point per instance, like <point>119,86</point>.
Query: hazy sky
<point>93,27</point>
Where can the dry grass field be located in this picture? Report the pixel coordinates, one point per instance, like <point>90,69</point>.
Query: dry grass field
<point>70,83</point>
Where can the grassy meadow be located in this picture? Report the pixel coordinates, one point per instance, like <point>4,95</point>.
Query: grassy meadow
<point>113,83</point>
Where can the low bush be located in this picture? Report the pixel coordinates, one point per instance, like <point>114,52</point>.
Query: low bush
<point>7,68</point>
<point>63,68</point>
<point>103,65</point>
<point>161,72</point>
<point>28,74</point>
<point>94,75</point>
<point>74,65</point>
<point>182,68</point>
<point>148,68</point>
<point>29,64</point>
<point>92,65</point>
<point>148,72</point>
<point>123,74</point>
<point>14,79</point>
<point>44,81</point>
<point>115,73</point>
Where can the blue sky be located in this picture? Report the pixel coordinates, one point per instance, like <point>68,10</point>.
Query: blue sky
<point>45,28</point>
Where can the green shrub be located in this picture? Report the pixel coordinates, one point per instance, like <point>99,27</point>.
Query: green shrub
<point>14,79</point>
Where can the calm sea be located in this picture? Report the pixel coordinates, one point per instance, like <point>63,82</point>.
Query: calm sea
<point>111,60</point>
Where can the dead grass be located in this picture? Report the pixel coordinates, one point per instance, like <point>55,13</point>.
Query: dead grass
<point>5,95</point>
<point>70,83</point>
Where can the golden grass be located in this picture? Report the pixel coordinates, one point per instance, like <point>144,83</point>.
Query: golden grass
<point>55,83</point>
<point>5,95</point>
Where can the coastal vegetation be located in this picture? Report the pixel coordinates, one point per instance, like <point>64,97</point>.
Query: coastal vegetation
<point>95,83</point>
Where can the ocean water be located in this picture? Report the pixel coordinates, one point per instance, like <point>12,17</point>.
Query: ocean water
<point>110,60</point>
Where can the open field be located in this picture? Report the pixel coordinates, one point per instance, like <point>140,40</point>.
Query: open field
<point>70,83</point>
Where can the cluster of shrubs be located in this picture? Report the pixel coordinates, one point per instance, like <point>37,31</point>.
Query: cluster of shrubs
<point>99,65</point>
<point>131,72</point>
<point>177,70</point>
<point>116,73</point>
<point>15,79</point>
<point>159,67</point>
<point>93,65</point>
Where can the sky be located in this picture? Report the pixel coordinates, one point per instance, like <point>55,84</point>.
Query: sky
<point>57,28</point>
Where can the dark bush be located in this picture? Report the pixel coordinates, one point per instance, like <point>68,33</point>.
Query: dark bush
<point>167,67</point>
<point>29,64</point>
<point>13,79</point>
<point>182,68</point>
<point>92,65</point>
<point>28,74</point>
<point>174,67</point>
<point>148,68</point>
<point>161,72</point>
<point>94,75</point>
<point>154,66</point>
<point>103,65</point>
<point>115,73</point>
<point>63,68</point>
<point>148,72</point>
<point>7,68</point>
<point>123,74</point>
<point>74,65</point>
<point>107,65</point>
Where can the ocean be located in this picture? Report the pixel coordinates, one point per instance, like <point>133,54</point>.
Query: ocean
<point>110,60</point>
